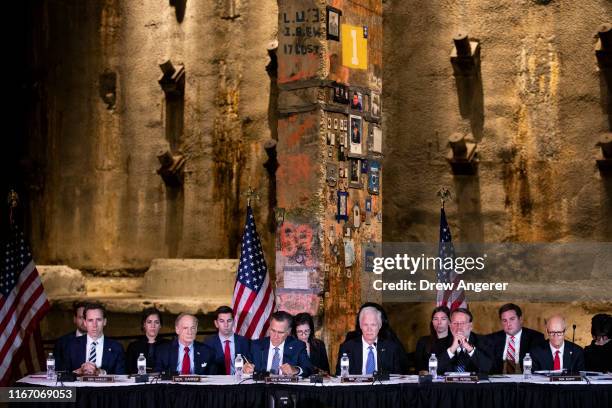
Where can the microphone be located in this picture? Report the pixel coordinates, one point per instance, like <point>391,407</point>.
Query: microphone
<point>573,331</point>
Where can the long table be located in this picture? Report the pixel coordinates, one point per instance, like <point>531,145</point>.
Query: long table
<point>224,391</point>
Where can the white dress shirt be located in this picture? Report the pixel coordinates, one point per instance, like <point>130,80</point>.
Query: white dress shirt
<point>271,350</point>
<point>554,350</point>
<point>365,352</point>
<point>232,350</point>
<point>99,349</point>
<point>517,345</point>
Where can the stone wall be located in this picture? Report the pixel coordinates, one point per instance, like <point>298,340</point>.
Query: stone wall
<point>542,111</point>
<point>98,118</point>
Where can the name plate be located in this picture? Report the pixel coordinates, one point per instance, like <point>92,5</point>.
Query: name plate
<point>461,379</point>
<point>98,378</point>
<point>186,378</point>
<point>357,379</point>
<point>563,378</point>
<point>282,379</point>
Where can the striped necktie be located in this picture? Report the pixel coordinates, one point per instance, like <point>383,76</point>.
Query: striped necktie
<point>92,353</point>
<point>462,360</point>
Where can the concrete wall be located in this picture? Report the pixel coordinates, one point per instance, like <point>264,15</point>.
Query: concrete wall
<point>542,111</point>
<point>96,201</point>
<point>542,116</point>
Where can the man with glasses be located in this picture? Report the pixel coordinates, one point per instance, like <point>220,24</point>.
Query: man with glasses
<point>226,343</point>
<point>279,353</point>
<point>469,352</point>
<point>557,353</point>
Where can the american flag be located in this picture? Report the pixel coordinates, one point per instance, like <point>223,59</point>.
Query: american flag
<point>450,298</point>
<point>253,299</point>
<point>23,303</point>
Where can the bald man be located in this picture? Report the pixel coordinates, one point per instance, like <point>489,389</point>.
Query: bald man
<point>557,353</point>
<point>184,355</point>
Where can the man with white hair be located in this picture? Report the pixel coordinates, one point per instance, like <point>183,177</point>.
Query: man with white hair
<point>370,353</point>
<point>184,355</point>
<point>557,353</point>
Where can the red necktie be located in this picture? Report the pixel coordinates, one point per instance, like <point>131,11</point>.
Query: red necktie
<point>511,354</point>
<point>557,362</point>
<point>228,358</point>
<point>186,367</point>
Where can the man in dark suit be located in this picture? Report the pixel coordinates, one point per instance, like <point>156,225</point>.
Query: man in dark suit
<point>369,353</point>
<point>60,349</point>
<point>469,352</point>
<point>94,353</point>
<point>226,343</point>
<point>279,353</point>
<point>512,343</point>
<point>184,355</point>
<point>557,353</point>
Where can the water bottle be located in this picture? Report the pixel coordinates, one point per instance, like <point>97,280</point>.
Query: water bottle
<point>50,367</point>
<point>238,365</point>
<point>527,362</point>
<point>344,366</point>
<point>142,364</point>
<point>433,365</point>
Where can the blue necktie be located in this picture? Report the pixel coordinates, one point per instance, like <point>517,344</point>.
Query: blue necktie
<point>275,361</point>
<point>370,363</point>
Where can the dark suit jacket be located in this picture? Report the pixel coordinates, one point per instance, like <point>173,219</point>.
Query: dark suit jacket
<point>294,353</point>
<point>480,362</point>
<point>387,355</point>
<point>141,346</point>
<point>241,346</point>
<point>598,358</point>
<point>529,339</point>
<point>166,358</point>
<point>387,334</point>
<point>61,350</point>
<point>423,351</point>
<point>318,355</point>
<point>573,357</point>
<point>113,359</point>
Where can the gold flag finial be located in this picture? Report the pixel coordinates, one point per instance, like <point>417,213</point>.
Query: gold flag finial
<point>13,202</point>
<point>251,194</point>
<point>444,194</point>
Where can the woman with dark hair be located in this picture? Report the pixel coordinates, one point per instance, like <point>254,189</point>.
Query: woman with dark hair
<point>437,341</point>
<point>303,330</point>
<point>598,355</point>
<point>386,332</point>
<point>148,343</point>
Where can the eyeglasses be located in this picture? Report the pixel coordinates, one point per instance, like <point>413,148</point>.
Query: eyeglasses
<point>459,324</point>
<point>556,333</point>
<point>303,332</point>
